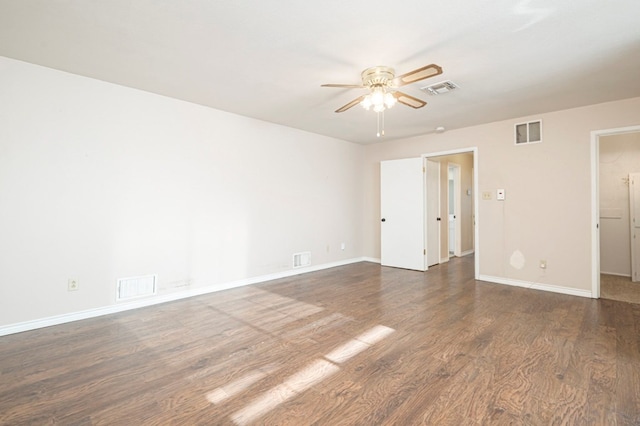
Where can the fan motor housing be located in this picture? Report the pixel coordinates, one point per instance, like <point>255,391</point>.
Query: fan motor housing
<point>377,76</point>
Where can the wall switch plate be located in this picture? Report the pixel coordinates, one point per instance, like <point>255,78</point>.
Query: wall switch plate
<point>73,284</point>
<point>500,194</point>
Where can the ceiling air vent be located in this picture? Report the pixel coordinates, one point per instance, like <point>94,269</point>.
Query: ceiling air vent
<point>440,88</point>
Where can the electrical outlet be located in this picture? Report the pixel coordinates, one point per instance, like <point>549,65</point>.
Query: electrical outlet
<point>543,264</point>
<point>73,284</point>
<point>486,195</point>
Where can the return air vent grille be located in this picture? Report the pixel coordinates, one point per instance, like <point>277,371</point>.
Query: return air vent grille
<point>130,288</point>
<point>526,133</point>
<point>301,259</point>
<point>440,88</point>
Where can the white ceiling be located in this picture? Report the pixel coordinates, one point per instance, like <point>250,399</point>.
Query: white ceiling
<point>267,59</point>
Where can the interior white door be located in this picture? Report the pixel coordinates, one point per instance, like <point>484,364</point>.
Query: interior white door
<point>634,206</point>
<point>433,212</point>
<point>402,214</point>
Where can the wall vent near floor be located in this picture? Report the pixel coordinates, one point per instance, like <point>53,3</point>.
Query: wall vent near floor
<point>130,288</point>
<point>301,259</point>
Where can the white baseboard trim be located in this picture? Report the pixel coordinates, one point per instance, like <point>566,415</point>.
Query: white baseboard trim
<point>616,274</point>
<point>466,253</point>
<point>121,307</point>
<point>371,259</point>
<point>444,259</point>
<point>537,286</point>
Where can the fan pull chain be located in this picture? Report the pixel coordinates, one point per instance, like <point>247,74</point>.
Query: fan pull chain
<point>380,133</point>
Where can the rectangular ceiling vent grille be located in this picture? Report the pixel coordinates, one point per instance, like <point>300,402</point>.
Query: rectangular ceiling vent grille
<point>440,88</point>
<point>301,259</point>
<point>131,288</point>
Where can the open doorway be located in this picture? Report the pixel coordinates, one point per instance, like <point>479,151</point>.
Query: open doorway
<point>457,230</point>
<point>615,157</point>
<point>405,194</point>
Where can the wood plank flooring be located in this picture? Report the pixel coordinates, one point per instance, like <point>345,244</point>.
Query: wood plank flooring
<point>615,287</point>
<point>355,345</point>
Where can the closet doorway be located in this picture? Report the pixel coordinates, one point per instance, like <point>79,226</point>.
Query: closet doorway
<point>615,159</point>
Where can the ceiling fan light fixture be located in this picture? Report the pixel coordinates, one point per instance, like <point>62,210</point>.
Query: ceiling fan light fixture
<point>377,96</point>
<point>389,100</point>
<point>366,102</point>
<point>382,84</point>
<point>379,99</point>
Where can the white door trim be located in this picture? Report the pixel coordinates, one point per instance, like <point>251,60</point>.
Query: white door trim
<point>634,212</point>
<point>433,244</point>
<point>457,245</point>
<point>476,228</point>
<point>595,202</point>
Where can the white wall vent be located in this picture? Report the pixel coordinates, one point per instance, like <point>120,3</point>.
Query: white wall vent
<point>130,288</point>
<point>530,132</point>
<point>301,259</point>
<point>440,88</point>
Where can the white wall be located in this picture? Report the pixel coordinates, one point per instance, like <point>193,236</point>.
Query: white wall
<point>619,156</point>
<point>547,211</point>
<point>99,182</point>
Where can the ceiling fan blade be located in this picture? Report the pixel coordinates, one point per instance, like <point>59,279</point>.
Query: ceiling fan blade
<point>344,86</point>
<point>408,100</point>
<point>417,75</point>
<point>350,104</point>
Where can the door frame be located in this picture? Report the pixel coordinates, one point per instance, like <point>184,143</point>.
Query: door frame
<point>476,222</point>
<point>633,178</point>
<point>595,201</point>
<point>427,217</point>
<point>457,203</point>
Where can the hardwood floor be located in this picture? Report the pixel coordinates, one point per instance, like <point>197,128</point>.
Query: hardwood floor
<point>355,345</point>
<point>619,288</point>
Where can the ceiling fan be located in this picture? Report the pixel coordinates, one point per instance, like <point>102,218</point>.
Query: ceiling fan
<point>382,84</point>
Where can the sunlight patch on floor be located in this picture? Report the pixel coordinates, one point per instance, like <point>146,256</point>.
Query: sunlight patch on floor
<point>267,311</point>
<point>299,382</point>
<point>358,344</point>
<point>312,374</point>
<point>220,394</point>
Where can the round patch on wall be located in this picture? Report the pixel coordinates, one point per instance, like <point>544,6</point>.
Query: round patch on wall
<point>517,259</point>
